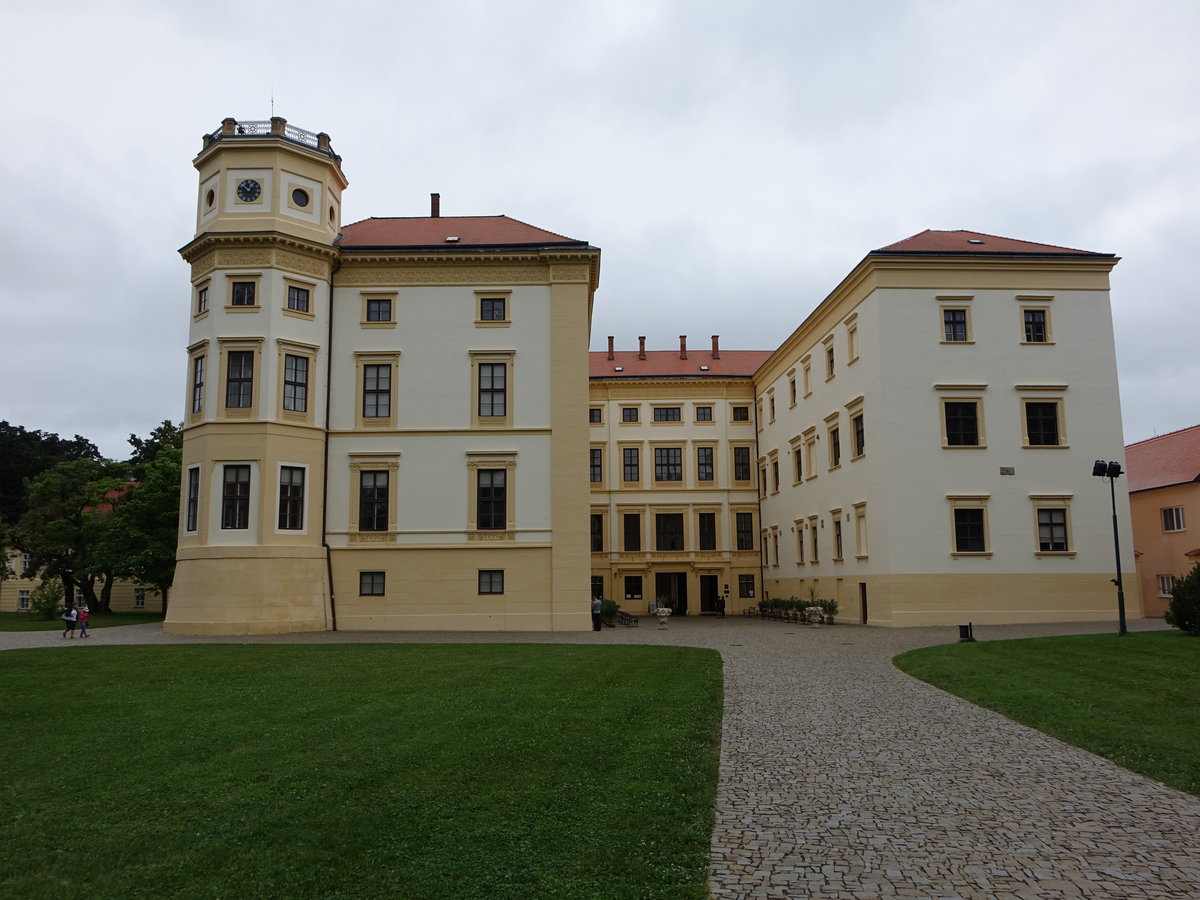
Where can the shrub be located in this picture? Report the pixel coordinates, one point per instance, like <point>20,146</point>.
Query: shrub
<point>1184,610</point>
<point>46,600</point>
<point>608,608</point>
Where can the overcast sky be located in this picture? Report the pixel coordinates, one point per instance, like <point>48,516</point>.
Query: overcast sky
<point>733,160</point>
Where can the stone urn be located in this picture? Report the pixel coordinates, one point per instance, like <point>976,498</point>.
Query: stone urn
<point>663,613</point>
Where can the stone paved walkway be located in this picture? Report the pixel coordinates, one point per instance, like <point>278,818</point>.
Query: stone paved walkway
<point>841,777</point>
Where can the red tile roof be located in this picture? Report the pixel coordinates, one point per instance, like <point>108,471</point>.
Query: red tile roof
<point>427,232</point>
<point>1164,460</point>
<point>929,241</point>
<point>667,364</point>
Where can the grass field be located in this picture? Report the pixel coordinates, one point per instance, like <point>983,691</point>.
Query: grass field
<point>355,771</point>
<point>1131,699</point>
<point>24,621</point>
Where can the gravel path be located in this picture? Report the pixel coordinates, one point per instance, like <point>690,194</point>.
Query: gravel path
<point>842,777</point>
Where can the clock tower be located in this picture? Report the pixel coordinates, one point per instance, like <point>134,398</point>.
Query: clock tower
<point>252,556</point>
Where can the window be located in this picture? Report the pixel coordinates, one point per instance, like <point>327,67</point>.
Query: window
<point>193,499</point>
<point>491,581</point>
<point>704,414</point>
<point>597,533</point>
<point>962,423</point>
<point>954,325</point>
<point>632,526</point>
<point>668,464</point>
<point>22,601</point>
<point>26,563</point>
<point>373,501</point>
<point>291,498</point>
<point>377,391</point>
<point>668,414</point>
<point>295,383</point>
<point>813,543</point>
<point>774,476</point>
<point>969,534</point>
<point>491,309</point>
<point>139,598</point>
<point>379,309</point>
<point>595,415</point>
<point>596,465</point>
<point>741,414</point>
<point>202,300</point>
<point>799,529</point>
<point>771,408</point>
<point>597,586</point>
<point>797,465</point>
<point>792,391</point>
<point>806,373</point>
<point>297,298</point>
<point>860,530</point>
<point>1172,518</point>
<point>629,414</point>
<point>708,531</point>
<point>1041,423</point>
<point>745,530</point>
<point>1052,529</point>
<point>235,498</point>
<point>239,381</point>
<point>370,584</point>
<point>837,535</point>
<point>197,384</point>
<point>835,448</point>
<point>493,392</point>
<point>1036,330</point>
<point>860,435</point>
<point>632,470</point>
<point>668,531</point>
<point>243,293</point>
<point>704,463</point>
<point>491,496</point>
<point>1166,585</point>
<point>745,585</point>
<point>633,587</point>
<point>828,362</point>
<point>741,463</point>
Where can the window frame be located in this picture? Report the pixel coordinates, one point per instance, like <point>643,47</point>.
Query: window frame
<point>959,534</point>
<point>666,415</point>
<point>705,463</point>
<point>498,402</point>
<point>668,469</point>
<point>244,380</point>
<point>706,530</point>
<point>1027,431</point>
<point>740,465</point>
<point>666,533</point>
<point>631,526</point>
<point>1174,513</point>
<point>976,403</point>
<point>485,308</point>
<point>235,503</point>
<point>372,584</point>
<point>243,292</point>
<point>490,582</point>
<point>374,509</point>
<point>292,504</point>
<point>191,501</point>
<point>631,465</point>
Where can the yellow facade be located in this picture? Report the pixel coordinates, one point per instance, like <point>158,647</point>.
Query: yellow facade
<point>125,597</point>
<point>1166,549</point>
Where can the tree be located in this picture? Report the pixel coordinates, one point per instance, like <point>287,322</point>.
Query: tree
<point>143,531</point>
<point>66,527</point>
<point>1183,612</point>
<point>26,454</point>
<point>166,435</point>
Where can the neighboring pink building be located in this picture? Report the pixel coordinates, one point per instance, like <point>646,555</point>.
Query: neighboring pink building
<point>1164,497</point>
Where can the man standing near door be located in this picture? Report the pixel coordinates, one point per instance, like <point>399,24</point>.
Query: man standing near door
<point>596,607</point>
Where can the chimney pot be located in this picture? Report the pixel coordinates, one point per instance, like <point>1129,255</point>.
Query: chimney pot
<point>610,346</point>
<point>642,347</point>
<point>435,206</point>
<point>716,346</point>
<point>683,346</point>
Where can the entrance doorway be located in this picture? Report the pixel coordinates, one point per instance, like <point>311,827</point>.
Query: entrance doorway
<point>671,588</point>
<point>862,600</point>
<point>709,594</point>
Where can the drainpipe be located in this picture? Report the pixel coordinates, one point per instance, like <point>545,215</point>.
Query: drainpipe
<point>325,473</point>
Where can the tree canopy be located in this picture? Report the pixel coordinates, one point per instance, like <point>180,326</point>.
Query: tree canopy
<point>26,454</point>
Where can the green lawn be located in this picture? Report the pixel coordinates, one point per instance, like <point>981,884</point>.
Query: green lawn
<point>25,621</point>
<point>1132,699</point>
<point>354,771</point>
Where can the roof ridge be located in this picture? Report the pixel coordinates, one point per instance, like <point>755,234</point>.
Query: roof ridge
<point>1158,437</point>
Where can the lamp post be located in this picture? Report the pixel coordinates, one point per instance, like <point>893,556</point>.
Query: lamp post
<point>1112,471</point>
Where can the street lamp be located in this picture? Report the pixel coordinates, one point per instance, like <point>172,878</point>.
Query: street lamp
<point>1112,471</point>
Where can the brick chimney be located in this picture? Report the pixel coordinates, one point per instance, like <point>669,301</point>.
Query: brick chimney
<point>683,346</point>
<point>435,206</point>
<point>716,346</point>
<point>610,347</point>
<point>642,347</point>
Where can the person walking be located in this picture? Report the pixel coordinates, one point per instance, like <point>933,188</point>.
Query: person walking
<point>70,615</point>
<point>597,605</point>
<point>84,615</point>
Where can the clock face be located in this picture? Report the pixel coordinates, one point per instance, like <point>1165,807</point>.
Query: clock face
<point>249,190</point>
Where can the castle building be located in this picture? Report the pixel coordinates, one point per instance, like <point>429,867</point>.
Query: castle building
<point>1164,496</point>
<point>674,512</point>
<point>386,422</point>
<point>396,424</point>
